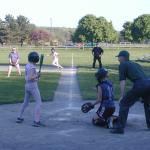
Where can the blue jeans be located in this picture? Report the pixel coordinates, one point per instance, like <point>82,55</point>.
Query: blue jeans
<point>140,89</point>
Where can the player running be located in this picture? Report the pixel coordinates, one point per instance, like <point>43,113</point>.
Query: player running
<point>14,61</point>
<point>55,59</point>
<point>31,89</point>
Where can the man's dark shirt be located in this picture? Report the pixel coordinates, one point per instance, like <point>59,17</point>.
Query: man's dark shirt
<point>97,51</point>
<point>131,70</point>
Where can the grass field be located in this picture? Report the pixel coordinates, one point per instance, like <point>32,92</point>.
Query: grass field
<point>83,60</point>
<point>12,89</point>
<point>86,75</point>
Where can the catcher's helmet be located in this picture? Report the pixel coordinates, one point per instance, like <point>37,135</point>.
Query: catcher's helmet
<point>86,107</point>
<point>101,73</point>
<point>33,57</point>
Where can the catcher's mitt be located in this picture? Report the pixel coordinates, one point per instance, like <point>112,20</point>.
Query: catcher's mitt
<point>87,107</point>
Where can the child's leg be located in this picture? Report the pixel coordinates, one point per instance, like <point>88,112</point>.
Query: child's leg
<point>37,97</point>
<point>98,119</point>
<point>60,66</point>
<point>55,63</point>
<point>18,69</point>
<point>107,115</point>
<point>108,112</point>
<point>9,70</point>
<point>24,104</point>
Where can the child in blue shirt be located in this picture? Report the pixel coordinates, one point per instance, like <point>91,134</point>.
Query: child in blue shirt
<point>105,98</point>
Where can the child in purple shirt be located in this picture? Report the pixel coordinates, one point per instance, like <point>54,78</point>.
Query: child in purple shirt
<point>13,61</point>
<point>31,89</point>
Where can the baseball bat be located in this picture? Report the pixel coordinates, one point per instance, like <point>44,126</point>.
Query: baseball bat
<point>41,62</point>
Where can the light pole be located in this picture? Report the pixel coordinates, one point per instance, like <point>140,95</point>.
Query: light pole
<point>51,23</point>
<point>50,30</point>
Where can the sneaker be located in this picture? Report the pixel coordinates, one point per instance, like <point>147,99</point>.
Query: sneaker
<point>110,123</point>
<point>38,124</point>
<point>19,120</point>
<point>117,131</point>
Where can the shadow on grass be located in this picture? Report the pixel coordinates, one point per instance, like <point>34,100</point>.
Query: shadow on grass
<point>12,89</point>
<point>87,81</point>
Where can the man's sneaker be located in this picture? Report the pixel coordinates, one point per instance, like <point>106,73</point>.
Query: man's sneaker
<point>38,124</point>
<point>117,131</point>
<point>19,120</point>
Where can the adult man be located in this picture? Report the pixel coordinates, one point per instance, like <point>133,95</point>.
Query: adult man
<point>13,61</point>
<point>141,89</point>
<point>97,53</point>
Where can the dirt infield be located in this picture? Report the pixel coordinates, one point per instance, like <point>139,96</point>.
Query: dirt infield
<point>67,128</point>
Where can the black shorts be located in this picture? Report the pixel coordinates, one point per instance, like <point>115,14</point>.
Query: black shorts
<point>105,112</point>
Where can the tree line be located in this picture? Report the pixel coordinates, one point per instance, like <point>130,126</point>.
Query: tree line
<point>138,30</point>
<point>15,30</point>
<point>98,29</point>
<point>20,30</point>
<point>90,29</point>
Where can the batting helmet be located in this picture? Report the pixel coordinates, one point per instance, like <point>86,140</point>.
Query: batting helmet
<point>101,73</point>
<point>33,57</point>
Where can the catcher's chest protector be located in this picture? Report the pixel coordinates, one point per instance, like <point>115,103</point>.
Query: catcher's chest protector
<point>107,90</point>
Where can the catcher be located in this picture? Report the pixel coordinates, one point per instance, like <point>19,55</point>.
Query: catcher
<point>13,61</point>
<point>105,98</point>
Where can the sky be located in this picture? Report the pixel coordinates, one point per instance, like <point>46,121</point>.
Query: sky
<point>67,13</point>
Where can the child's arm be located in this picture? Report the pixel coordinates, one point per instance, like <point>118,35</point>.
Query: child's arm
<point>17,62</point>
<point>10,61</point>
<point>99,96</point>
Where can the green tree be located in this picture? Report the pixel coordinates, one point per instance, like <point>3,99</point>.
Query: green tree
<point>3,32</point>
<point>12,28</point>
<point>107,33</point>
<point>23,27</point>
<point>127,31</point>
<point>141,28</point>
<point>95,30</point>
<point>86,28</point>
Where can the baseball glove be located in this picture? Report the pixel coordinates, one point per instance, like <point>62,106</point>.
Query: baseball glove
<point>87,107</point>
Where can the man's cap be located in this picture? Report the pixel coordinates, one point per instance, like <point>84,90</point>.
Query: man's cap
<point>123,53</point>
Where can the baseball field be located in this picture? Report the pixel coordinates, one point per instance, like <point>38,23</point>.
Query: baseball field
<point>12,89</point>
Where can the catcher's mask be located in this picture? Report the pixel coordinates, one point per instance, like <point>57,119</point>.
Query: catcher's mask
<point>33,57</point>
<point>87,107</point>
<point>101,74</point>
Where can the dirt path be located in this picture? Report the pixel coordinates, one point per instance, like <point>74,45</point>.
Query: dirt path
<point>68,128</point>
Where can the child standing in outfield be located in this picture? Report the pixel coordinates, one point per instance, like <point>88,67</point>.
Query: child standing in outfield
<point>105,98</point>
<point>31,89</point>
<point>55,59</point>
<point>14,61</point>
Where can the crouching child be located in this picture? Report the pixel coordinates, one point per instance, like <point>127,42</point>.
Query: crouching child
<point>105,98</point>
